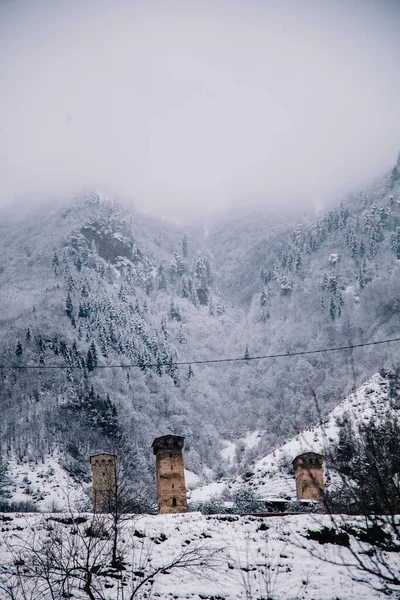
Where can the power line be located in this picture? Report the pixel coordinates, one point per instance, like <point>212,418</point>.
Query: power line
<point>210,361</point>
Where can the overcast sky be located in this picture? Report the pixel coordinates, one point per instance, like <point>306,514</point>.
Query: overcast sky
<point>185,107</point>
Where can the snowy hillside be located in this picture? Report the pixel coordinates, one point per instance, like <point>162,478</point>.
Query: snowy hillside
<point>102,304</point>
<point>272,476</point>
<point>47,485</point>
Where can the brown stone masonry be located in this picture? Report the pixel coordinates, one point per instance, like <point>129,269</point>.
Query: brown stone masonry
<point>309,476</point>
<point>104,468</point>
<point>171,488</point>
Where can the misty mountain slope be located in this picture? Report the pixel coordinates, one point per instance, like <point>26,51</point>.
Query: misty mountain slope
<point>239,242</point>
<point>94,283</point>
<point>335,281</point>
<point>272,476</point>
<point>98,298</point>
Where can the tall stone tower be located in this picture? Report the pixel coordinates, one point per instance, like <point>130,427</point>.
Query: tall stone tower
<point>104,480</point>
<point>171,488</point>
<point>309,476</point>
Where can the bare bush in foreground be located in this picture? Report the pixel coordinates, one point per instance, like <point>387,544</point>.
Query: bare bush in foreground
<point>72,557</point>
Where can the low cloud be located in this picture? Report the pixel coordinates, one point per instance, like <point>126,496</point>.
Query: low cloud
<point>185,108</point>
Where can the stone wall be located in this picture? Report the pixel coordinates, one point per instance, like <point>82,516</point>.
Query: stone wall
<point>309,476</point>
<point>104,482</point>
<point>171,488</point>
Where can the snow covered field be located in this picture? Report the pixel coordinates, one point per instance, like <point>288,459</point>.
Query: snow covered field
<point>258,557</point>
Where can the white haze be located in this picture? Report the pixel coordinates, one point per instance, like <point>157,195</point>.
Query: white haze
<point>186,107</point>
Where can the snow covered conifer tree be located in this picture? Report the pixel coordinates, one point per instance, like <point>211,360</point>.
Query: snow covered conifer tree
<point>91,360</point>
<point>332,308</point>
<point>395,242</point>
<point>185,293</point>
<point>246,355</point>
<point>181,336</point>
<point>164,328</point>
<point>162,280</point>
<point>18,348</point>
<point>55,263</point>
<point>185,246</point>
<point>69,310</point>
<point>363,198</point>
<point>362,248</point>
<point>179,264</point>
<point>174,311</point>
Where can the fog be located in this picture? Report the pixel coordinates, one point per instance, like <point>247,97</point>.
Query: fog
<point>187,107</point>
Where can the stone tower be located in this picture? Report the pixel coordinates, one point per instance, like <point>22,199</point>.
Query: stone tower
<point>104,478</point>
<point>171,488</point>
<point>309,476</point>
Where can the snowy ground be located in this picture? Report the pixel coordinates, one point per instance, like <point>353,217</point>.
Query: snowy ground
<point>247,442</point>
<point>46,484</point>
<point>259,557</point>
<point>271,477</point>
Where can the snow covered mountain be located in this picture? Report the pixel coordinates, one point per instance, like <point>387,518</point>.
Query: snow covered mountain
<point>272,477</point>
<point>93,286</point>
<point>50,487</point>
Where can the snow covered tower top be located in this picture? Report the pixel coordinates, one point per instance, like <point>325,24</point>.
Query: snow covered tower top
<point>309,476</point>
<point>171,488</point>
<point>104,480</point>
